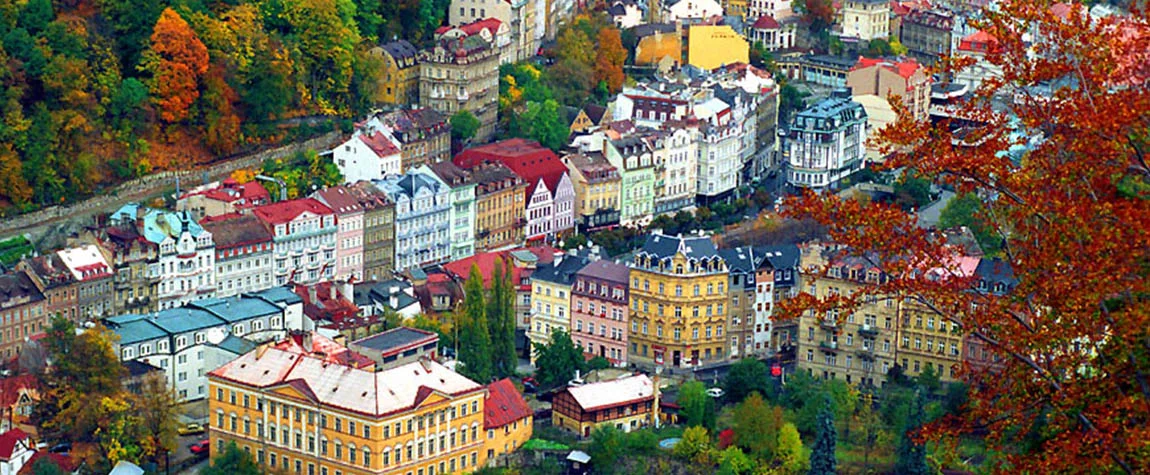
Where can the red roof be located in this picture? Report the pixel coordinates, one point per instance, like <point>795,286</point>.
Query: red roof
<point>904,68</point>
<point>979,42</point>
<point>461,269</point>
<point>325,349</point>
<point>10,388</point>
<point>504,405</point>
<point>531,161</point>
<point>338,309</point>
<point>379,144</point>
<point>766,22</point>
<point>490,24</point>
<point>904,8</point>
<point>8,442</point>
<point>285,211</point>
<point>63,461</point>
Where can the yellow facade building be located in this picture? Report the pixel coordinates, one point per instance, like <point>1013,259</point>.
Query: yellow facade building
<point>597,186</point>
<point>551,297</point>
<point>679,301</point>
<point>709,47</point>
<point>626,404</point>
<point>499,208</point>
<point>507,419</point>
<point>309,413</point>
<point>399,79</point>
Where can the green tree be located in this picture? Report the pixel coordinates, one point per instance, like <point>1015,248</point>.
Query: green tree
<point>911,191</point>
<point>598,363</point>
<point>474,333</point>
<point>823,461</point>
<point>695,446</point>
<point>928,380</point>
<point>791,100</point>
<point>746,376</point>
<point>606,448</point>
<point>869,430</point>
<point>36,15</point>
<point>548,125</point>
<point>697,406</point>
<point>557,361</point>
<point>878,48</point>
<point>896,47</point>
<point>757,427</point>
<point>232,461</point>
<point>733,461</point>
<point>911,453</point>
<point>967,210</point>
<point>45,466</point>
<point>791,454</point>
<point>501,320</point>
<point>464,125</point>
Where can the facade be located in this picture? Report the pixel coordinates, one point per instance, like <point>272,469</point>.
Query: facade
<point>243,254</point>
<point>720,152</point>
<point>774,35</point>
<point>626,404</point>
<point>637,191</point>
<point>462,74</point>
<point>978,46</point>
<point>926,34</point>
<point>16,451</point>
<point>56,282</point>
<point>462,206</point>
<point>497,33</point>
<point>679,300</point>
<point>709,47</point>
<point>304,240</point>
<point>507,420</point>
<point>186,266</point>
<point>422,219</point>
<point>676,168</point>
<point>776,280</point>
<point>520,15</point>
<point>865,20</point>
<point>826,142</point>
<point>625,13</point>
<point>597,184</point>
<point>397,347</point>
<point>906,80</point>
<point>424,135</point>
<point>228,196</point>
<point>499,206</point>
<point>370,154</point>
<point>378,230</point>
<point>349,237</point>
<point>658,44</point>
<point>399,80</point>
<point>93,276</point>
<point>21,310</point>
<point>297,409</point>
<point>175,339</point>
<point>674,11</point>
<point>743,262</point>
<point>928,340</point>
<point>600,310</point>
<point>132,257</point>
<point>551,297</point>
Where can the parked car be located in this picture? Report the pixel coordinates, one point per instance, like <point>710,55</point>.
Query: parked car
<point>63,448</point>
<point>715,392</point>
<point>201,448</point>
<point>189,429</point>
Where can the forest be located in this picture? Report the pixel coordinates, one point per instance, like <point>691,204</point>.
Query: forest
<point>95,92</point>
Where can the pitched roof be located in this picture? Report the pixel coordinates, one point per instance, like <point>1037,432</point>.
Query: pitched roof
<point>15,287</point>
<point>564,272</point>
<point>50,270</point>
<point>379,143</point>
<point>11,388</point>
<point>368,195</point>
<point>526,158</point>
<point>905,68</point>
<point>979,41</point>
<point>285,211</point>
<point>612,393</point>
<point>396,339</point>
<point>662,246</point>
<point>780,257</point>
<point>339,200</point>
<point>766,22</point>
<point>504,405</point>
<point>607,270</point>
<point>400,49</point>
<point>594,112</point>
<point>742,259</point>
<point>62,461</point>
<point>461,268</point>
<point>451,174</point>
<point>8,441</point>
<point>237,230</point>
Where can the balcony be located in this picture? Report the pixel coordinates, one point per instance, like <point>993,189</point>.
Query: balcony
<point>866,353</point>
<point>829,345</point>
<point>830,325</point>
<point>868,330</point>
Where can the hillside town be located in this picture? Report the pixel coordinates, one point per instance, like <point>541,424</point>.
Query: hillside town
<point>595,236</point>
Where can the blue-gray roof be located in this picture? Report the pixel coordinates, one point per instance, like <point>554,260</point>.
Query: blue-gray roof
<point>277,295</point>
<point>238,309</point>
<point>742,259</point>
<point>662,246</point>
<point>236,345</point>
<point>204,314</point>
<point>564,273</point>
<point>780,257</point>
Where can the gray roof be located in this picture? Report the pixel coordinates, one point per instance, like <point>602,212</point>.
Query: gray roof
<point>400,49</point>
<point>16,286</point>
<point>996,271</point>
<point>780,257</point>
<point>236,345</point>
<point>564,273</point>
<point>607,270</point>
<point>663,246</point>
<point>201,315</point>
<point>370,292</point>
<point>649,29</point>
<point>394,338</point>
<point>742,259</point>
<point>277,295</point>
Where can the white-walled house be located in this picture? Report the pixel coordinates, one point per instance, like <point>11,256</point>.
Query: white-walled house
<point>186,265</point>
<point>370,154</point>
<point>15,451</point>
<point>678,10</point>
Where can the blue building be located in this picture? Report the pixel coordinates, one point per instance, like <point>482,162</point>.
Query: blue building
<point>422,218</point>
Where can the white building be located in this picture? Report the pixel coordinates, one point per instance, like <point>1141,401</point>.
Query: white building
<point>462,205</point>
<point>15,451</point>
<point>422,219</point>
<point>676,168</point>
<point>175,340</point>
<point>678,10</point>
<point>625,13</point>
<point>187,261</point>
<point>370,154</point>
<point>303,240</point>
<point>243,254</point>
<point>826,142</point>
<point>865,20</point>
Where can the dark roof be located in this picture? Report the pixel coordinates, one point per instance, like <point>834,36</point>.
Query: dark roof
<point>996,271</point>
<point>594,112</point>
<point>607,270</point>
<point>339,199</point>
<point>780,257</point>
<point>17,285</point>
<point>504,405</point>
<point>451,174</point>
<point>236,345</point>
<point>368,195</point>
<point>564,273</point>
<point>400,49</point>
<point>367,293</point>
<point>663,246</point>
<point>395,338</point>
<point>50,270</point>
<point>493,172</point>
<point>237,230</point>
<point>649,29</point>
<point>137,368</point>
<point>741,259</point>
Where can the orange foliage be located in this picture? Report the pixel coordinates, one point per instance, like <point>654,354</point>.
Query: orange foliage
<point>12,183</point>
<point>177,59</point>
<point>609,59</point>
<point>223,133</point>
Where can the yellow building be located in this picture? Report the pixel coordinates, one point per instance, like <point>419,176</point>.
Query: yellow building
<point>709,47</point>
<point>679,300</point>
<point>507,419</point>
<point>399,79</point>
<point>499,208</point>
<point>597,185</point>
<point>735,8</point>
<point>312,413</point>
<point>551,297</point>
<point>626,404</point>
<point>657,42</point>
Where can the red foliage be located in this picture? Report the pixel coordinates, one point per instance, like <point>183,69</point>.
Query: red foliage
<point>177,59</point>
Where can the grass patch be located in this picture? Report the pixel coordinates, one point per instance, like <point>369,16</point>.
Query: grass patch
<point>12,250</point>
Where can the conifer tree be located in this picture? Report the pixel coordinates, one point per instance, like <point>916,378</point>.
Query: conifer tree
<point>912,454</point>
<point>823,460</point>
<point>474,334</point>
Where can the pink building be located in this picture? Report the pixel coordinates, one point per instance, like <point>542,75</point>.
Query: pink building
<point>599,311</point>
<point>349,237</point>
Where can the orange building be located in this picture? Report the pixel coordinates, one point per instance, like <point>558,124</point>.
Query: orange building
<point>507,419</point>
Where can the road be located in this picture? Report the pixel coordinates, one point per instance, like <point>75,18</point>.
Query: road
<point>182,442</point>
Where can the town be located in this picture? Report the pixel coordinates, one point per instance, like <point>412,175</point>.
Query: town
<point>332,237</point>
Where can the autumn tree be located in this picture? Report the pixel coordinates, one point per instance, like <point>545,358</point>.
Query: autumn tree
<point>156,406</point>
<point>818,15</point>
<point>176,60</point>
<point>695,447</point>
<point>1071,215</point>
<point>757,427</point>
<point>609,59</point>
<point>13,186</point>
<point>791,455</point>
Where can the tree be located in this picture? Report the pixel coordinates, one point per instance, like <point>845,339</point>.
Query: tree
<point>928,380</point>
<point>747,376</point>
<point>606,448</point>
<point>911,454</point>
<point>474,332</point>
<point>1071,333</point>
<point>548,124</point>
<point>816,14</point>
<point>967,210</point>
<point>695,447</point>
<point>156,406</point>
<point>868,429</point>
<point>896,47</point>
<point>557,361</point>
<point>878,48</point>
<point>501,320</point>
<point>733,461</point>
<point>464,125</point>
<point>598,363</point>
<point>85,370</point>
<point>697,406</point>
<point>13,186</point>
<point>791,455</point>
<point>609,59</point>
<point>45,466</point>
<point>232,461</point>
<point>176,61</point>
<point>911,191</point>
<point>757,427</point>
<point>823,461</point>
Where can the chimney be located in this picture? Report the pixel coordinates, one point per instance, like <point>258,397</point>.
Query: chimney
<point>348,290</point>
<point>331,286</point>
<point>394,302</point>
<point>558,258</point>
<point>311,297</point>
<point>307,342</point>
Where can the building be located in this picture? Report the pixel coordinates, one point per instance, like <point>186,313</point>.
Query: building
<point>675,11</point>
<point>397,347</point>
<point>679,301</point>
<point>709,47</point>
<point>175,339</point>
<point>186,265</point>
<point>15,451</point>
<point>550,196</point>
<point>378,230</point>
<point>597,185</point>
<point>21,312</point>
<point>304,239</point>
<point>627,404</point>
<point>776,280</point>
<point>551,297</point>
<point>979,46</point>
<point>995,278</point>
<point>462,74</point>
<point>826,142</point>
<point>226,197</point>
<point>462,206</point>
<point>422,218</point>
<point>905,79</point>
<point>416,417</point>
<point>331,308</point>
<point>926,34</point>
<point>497,33</point>
<point>499,206</point>
<point>674,150</point>
<point>632,156</point>
<point>823,70</point>
<point>744,263</point>
<point>590,116</point>
<point>865,20</point>
<point>243,254</point>
<point>928,340</point>
<point>56,282</point>
<point>524,20</point>
<point>658,44</point>
<point>376,298</point>
<point>774,35</point>
<point>132,257</point>
<point>399,79</point>
<point>523,263</point>
<point>507,420</point>
<point>600,310</point>
<point>19,396</point>
<point>424,135</point>
<point>625,13</point>
<point>349,236</point>
<point>370,154</point>
<point>720,145</point>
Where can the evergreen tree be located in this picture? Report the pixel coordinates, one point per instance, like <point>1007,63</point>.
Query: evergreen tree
<point>823,456</point>
<point>501,320</point>
<point>474,334</point>
<point>911,455</point>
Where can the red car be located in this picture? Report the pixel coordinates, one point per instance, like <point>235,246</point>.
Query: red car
<point>201,448</point>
